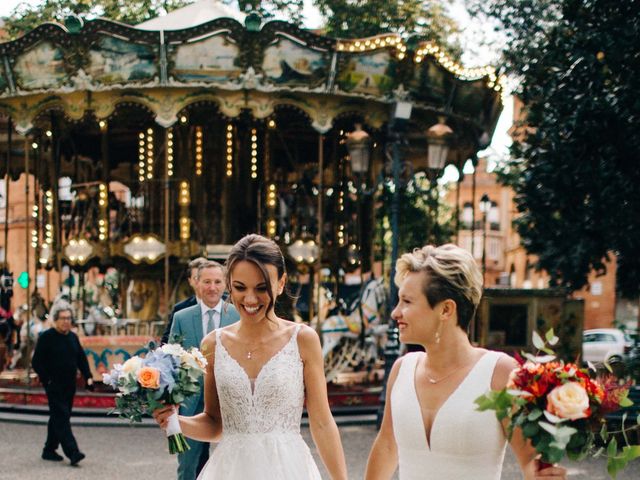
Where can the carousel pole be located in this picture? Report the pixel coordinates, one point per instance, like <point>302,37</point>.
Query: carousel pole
<point>318,267</point>
<point>28,244</point>
<point>166,221</point>
<point>55,145</point>
<point>6,191</point>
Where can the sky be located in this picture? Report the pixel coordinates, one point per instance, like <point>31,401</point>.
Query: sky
<point>480,46</point>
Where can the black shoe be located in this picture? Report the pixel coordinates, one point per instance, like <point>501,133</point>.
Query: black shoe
<point>75,458</point>
<point>51,455</point>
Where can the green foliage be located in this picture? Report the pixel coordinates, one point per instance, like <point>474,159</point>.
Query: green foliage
<point>356,19</point>
<point>574,169</point>
<point>423,218</point>
<point>290,9</point>
<point>26,17</point>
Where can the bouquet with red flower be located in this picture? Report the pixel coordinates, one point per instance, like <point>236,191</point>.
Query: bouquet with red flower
<point>560,408</point>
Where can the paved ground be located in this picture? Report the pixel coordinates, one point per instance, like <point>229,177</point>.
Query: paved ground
<point>141,454</point>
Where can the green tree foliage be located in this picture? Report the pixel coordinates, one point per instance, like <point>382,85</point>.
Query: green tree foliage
<point>26,17</point>
<point>290,9</point>
<point>356,19</point>
<point>424,219</point>
<point>575,168</point>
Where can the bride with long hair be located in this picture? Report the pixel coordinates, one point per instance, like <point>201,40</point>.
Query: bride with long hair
<point>261,369</point>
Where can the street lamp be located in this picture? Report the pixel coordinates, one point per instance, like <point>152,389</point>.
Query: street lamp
<point>438,136</point>
<point>485,206</point>
<point>358,144</point>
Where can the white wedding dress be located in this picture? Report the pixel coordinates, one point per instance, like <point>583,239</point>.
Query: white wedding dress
<point>261,422</point>
<point>463,443</point>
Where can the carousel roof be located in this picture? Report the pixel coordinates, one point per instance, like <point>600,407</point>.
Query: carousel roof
<point>169,63</point>
<point>197,13</point>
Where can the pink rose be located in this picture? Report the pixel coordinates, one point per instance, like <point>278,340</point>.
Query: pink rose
<point>569,401</point>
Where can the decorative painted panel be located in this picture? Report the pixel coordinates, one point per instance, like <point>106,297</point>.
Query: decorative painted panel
<point>113,61</point>
<point>290,64</point>
<point>429,83</point>
<point>210,60</point>
<point>40,67</point>
<point>370,74</point>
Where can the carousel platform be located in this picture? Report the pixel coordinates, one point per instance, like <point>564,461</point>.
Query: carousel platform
<point>23,400</point>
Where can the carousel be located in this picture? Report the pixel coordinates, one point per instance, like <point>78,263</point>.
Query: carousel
<point>151,145</point>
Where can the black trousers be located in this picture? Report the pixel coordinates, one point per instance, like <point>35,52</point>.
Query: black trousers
<point>59,428</point>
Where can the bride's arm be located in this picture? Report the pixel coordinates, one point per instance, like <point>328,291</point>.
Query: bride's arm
<point>206,426</point>
<point>522,448</point>
<point>323,427</point>
<point>383,459</point>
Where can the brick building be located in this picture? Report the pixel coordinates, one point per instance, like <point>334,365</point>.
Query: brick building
<point>507,263</point>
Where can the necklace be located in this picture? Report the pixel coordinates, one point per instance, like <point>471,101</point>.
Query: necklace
<point>251,352</point>
<point>438,380</point>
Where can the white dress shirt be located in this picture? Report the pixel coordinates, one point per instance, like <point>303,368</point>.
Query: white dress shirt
<point>205,316</point>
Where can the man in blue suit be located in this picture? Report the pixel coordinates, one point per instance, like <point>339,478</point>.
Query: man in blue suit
<point>193,324</point>
<point>192,271</point>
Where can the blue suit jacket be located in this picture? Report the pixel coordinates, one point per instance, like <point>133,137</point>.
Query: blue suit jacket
<point>188,324</point>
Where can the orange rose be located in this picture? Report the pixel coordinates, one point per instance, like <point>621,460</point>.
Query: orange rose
<point>149,377</point>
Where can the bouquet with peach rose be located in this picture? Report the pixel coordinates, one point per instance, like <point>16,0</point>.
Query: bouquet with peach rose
<point>561,409</point>
<point>165,376</point>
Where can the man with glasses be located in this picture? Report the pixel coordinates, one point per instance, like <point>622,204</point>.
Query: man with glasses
<point>57,358</point>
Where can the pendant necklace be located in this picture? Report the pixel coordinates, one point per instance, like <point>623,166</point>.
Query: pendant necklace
<point>433,381</point>
<point>251,352</point>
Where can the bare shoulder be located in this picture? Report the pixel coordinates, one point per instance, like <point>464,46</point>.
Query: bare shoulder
<point>308,339</point>
<point>306,335</point>
<point>208,345</point>
<point>504,366</point>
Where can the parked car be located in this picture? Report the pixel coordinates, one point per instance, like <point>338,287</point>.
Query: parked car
<point>601,345</point>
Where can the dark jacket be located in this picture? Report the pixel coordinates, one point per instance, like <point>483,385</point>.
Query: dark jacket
<point>189,302</point>
<point>58,357</point>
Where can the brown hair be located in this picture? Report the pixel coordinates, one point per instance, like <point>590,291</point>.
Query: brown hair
<point>260,251</point>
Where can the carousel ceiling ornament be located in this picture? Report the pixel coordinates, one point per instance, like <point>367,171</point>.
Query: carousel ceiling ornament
<point>144,248</point>
<point>78,251</point>
<point>304,251</point>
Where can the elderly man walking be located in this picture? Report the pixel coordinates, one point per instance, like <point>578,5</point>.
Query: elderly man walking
<point>57,358</point>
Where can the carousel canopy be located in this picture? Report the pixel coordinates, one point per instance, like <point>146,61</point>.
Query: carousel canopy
<point>192,15</point>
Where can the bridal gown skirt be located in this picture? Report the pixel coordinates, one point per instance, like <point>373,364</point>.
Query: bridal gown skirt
<point>262,456</point>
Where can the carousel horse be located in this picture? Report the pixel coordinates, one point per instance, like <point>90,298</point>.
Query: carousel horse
<point>144,299</point>
<point>353,335</point>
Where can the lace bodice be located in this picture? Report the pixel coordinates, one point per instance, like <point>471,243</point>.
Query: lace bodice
<point>464,443</point>
<point>274,404</point>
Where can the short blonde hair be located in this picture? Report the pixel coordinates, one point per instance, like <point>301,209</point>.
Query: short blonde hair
<point>450,273</point>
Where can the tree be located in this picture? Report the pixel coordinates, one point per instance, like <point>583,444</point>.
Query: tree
<point>424,219</point>
<point>575,164</point>
<point>26,17</point>
<point>357,19</point>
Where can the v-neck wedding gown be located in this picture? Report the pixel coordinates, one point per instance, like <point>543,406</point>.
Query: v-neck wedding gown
<point>463,443</point>
<point>261,422</point>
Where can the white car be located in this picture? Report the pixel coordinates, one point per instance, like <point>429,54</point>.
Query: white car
<point>605,345</point>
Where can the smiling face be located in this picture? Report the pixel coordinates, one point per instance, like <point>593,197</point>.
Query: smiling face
<point>417,321</point>
<point>250,290</point>
<point>211,285</point>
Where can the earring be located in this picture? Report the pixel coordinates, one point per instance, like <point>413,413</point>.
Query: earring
<point>438,334</point>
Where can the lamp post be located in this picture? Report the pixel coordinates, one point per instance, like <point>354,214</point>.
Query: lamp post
<point>358,144</point>
<point>439,141</point>
<point>485,206</point>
